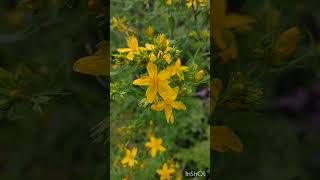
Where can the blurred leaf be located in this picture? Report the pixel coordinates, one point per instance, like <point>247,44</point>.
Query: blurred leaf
<point>224,139</point>
<point>97,64</point>
<point>286,45</point>
<point>199,153</point>
<point>216,88</point>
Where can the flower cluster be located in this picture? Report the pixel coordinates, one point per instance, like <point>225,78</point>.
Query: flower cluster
<point>163,78</point>
<point>154,145</point>
<point>155,77</point>
<point>156,55</point>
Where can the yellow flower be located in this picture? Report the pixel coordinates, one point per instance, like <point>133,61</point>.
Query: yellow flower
<point>157,82</point>
<point>164,46</point>
<point>163,41</point>
<point>195,3</point>
<point>168,104</point>
<point>133,47</point>
<point>155,145</point>
<point>152,57</point>
<point>165,173</point>
<point>223,22</point>
<point>149,47</point>
<point>124,178</point>
<point>169,2</point>
<point>199,75</point>
<point>178,70</point>
<point>129,158</point>
<point>149,31</point>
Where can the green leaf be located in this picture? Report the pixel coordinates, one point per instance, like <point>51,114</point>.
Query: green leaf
<point>172,24</point>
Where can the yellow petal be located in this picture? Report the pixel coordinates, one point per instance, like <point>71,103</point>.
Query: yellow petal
<point>151,94</point>
<point>177,64</point>
<point>124,160</point>
<point>123,50</point>
<point>158,140</point>
<point>165,74</point>
<point>149,46</point>
<point>153,57</point>
<point>178,105</point>
<point>149,31</point>
<point>189,3</point>
<point>131,162</point>
<point>148,144</point>
<point>153,139</point>
<point>142,49</point>
<point>152,69</point>
<point>199,75</point>
<point>168,48</point>
<point>167,58</point>
<point>133,43</point>
<point>143,81</point>
<point>168,112</point>
<point>134,151</point>
<point>224,139</point>
<point>153,152</point>
<point>166,92</point>
<point>172,119</point>
<point>236,21</point>
<point>159,171</point>
<point>93,65</point>
<point>184,68</point>
<point>130,56</point>
<point>162,149</point>
<point>171,171</point>
<point>158,107</point>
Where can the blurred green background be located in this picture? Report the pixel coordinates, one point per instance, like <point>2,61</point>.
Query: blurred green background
<point>47,111</point>
<point>281,136</point>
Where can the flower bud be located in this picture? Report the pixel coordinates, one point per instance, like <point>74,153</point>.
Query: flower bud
<point>199,75</point>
